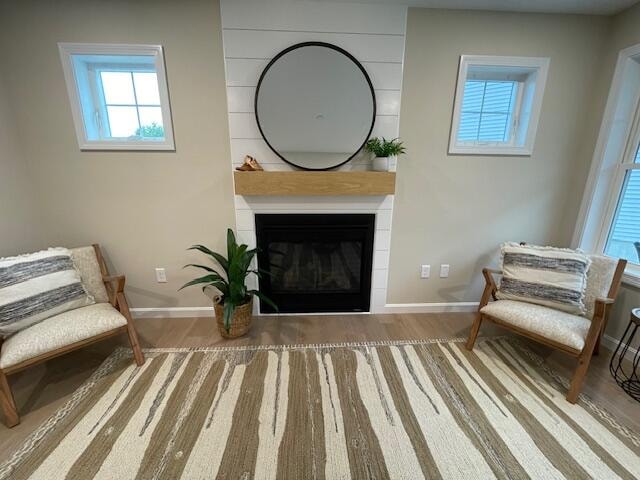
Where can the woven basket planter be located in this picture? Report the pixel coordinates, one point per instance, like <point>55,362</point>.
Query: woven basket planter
<point>240,323</point>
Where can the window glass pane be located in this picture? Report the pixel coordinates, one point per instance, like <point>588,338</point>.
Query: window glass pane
<point>118,88</point>
<point>637,160</point>
<point>487,111</point>
<point>469,125</point>
<point>493,127</point>
<point>146,84</point>
<point>497,97</point>
<point>624,237</point>
<point>151,122</point>
<point>473,94</point>
<point>123,121</point>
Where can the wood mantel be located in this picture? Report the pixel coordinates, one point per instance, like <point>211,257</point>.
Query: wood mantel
<point>315,183</point>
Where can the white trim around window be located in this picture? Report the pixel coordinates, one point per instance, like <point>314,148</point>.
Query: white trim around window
<point>156,60</point>
<point>530,74</point>
<point>613,158</point>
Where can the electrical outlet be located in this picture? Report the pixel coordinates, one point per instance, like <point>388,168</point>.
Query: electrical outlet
<point>161,275</point>
<point>425,271</point>
<point>444,270</point>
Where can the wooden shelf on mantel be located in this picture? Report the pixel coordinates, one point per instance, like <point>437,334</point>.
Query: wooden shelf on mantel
<point>315,183</point>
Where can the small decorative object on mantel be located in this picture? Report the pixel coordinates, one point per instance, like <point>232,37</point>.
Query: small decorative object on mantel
<point>250,165</point>
<point>384,150</point>
<point>626,369</point>
<point>234,303</point>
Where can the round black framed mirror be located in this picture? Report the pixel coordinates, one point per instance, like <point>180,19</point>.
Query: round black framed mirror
<point>315,105</point>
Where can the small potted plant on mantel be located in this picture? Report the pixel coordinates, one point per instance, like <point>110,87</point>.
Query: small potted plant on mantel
<point>234,304</point>
<point>383,150</point>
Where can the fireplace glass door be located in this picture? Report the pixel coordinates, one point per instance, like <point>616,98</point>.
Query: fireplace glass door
<point>316,262</point>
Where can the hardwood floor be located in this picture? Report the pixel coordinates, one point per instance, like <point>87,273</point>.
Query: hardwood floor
<point>41,390</point>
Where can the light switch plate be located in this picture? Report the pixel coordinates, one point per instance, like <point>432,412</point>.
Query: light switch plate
<point>425,271</point>
<point>161,275</point>
<point>444,270</point>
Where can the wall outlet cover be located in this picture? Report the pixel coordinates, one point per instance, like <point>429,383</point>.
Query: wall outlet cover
<point>444,270</point>
<point>161,275</point>
<point>425,271</point>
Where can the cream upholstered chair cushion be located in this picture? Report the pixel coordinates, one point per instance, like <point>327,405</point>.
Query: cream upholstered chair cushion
<point>562,327</point>
<point>84,259</point>
<point>58,331</point>
<point>599,279</point>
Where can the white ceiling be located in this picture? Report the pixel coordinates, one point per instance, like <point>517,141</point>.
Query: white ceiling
<point>594,7</point>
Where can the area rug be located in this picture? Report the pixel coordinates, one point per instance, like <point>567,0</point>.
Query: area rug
<point>398,410</point>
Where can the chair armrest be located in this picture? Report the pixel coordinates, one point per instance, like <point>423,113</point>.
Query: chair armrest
<point>605,301</point>
<point>598,324</point>
<point>490,288</point>
<point>493,271</point>
<point>601,308</point>
<point>116,281</point>
<point>123,306</point>
<point>114,285</point>
<point>490,281</point>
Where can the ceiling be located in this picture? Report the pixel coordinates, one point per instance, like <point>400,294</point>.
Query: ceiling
<point>594,7</point>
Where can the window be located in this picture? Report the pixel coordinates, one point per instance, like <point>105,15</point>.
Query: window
<point>487,111</point>
<point>609,219</point>
<point>118,96</point>
<point>497,105</point>
<point>623,235</point>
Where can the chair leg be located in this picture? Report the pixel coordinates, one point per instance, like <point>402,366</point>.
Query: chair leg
<point>135,345</point>
<point>131,331</point>
<point>596,348</point>
<point>473,334</point>
<point>578,377</point>
<point>7,402</point>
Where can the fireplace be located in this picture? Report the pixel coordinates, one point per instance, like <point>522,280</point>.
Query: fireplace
<point>315,262</point>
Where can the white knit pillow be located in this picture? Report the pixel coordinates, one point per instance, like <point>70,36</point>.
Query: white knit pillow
<point>37,286</point>
<point>554,277</point>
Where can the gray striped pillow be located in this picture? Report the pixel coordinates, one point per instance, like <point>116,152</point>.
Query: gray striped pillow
<point>554,277</point>
<point>37,286</point>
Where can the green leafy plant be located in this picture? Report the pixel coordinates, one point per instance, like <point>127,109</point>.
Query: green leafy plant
<point>383,147</point>
<point>228,276</point>
<point>151,131</point>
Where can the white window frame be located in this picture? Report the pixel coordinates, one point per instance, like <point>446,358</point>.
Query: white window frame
<point>612,159</point>
<point>156,51</point>
<point>535,70</point>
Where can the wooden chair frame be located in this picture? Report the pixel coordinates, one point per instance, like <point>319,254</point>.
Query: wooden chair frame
<point>594,336</point>
<point>115,291</point>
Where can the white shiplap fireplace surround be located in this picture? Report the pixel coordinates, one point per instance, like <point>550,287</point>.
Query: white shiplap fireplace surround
<point>253,33</point>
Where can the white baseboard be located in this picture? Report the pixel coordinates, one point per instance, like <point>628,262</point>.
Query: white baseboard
<point>172,312</point>
<point>183,312</point>
<point>427,307</point>
<point>611,343</point>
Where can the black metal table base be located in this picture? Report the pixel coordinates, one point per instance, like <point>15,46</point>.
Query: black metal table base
<point>624,367</point>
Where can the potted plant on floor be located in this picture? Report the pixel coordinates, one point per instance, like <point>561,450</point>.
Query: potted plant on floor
<point>383,150</point>
<point>234,305</point>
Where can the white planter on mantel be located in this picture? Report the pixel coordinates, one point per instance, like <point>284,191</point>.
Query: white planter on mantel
<point>381,164</point>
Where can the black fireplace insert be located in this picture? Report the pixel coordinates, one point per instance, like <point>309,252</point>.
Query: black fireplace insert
<point>316,262</point>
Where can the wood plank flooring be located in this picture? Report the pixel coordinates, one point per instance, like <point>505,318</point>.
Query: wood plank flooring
<point>41,390</point>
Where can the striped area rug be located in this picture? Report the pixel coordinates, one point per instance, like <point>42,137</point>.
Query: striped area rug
<point>405,410</point>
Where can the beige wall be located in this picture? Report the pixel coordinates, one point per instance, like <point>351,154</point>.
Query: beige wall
<point>458,209</point>
<point>145,208</point>
<point>20,221</point>
<point>625,32</point>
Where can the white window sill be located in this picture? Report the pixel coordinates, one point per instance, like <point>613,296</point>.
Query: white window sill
<point>128,145</point>
<point>631,278</point>
<point>489,150</point>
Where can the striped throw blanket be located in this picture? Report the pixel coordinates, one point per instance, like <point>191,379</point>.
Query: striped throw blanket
<point>37,286</point>
<point>554,277</point>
